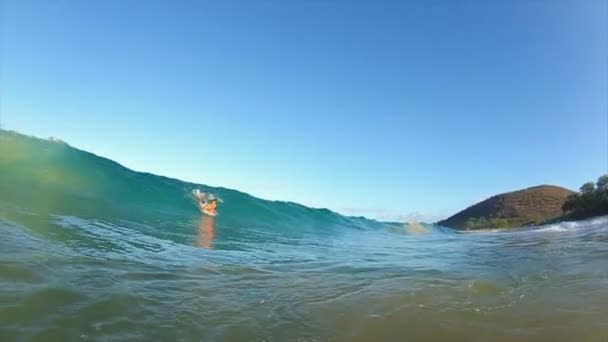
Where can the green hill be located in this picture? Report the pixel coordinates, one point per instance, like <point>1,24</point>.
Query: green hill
<point>513,209</point>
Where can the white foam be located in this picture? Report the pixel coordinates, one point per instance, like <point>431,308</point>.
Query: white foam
<point>573,225</point>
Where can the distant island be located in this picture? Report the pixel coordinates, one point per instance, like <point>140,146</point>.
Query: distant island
<point>533,206</point>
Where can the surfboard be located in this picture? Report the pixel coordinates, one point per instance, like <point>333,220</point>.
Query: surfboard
<point>208,213</point>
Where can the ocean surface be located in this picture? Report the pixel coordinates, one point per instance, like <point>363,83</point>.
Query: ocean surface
<point>92,251</point>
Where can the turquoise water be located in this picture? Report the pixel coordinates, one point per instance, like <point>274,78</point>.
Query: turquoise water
<point>92,251</point>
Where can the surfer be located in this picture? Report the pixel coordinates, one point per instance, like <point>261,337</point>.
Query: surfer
<point>209,207</point>
<point>207,203</point>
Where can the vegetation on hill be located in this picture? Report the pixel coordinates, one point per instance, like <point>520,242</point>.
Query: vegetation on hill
<point>513,209</point>
<point>592,200</point>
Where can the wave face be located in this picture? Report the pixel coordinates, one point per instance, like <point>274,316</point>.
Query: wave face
<point>54,177</point>
<point>91,250</point>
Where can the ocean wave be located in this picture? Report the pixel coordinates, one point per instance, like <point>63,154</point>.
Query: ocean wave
<point>567,226</point>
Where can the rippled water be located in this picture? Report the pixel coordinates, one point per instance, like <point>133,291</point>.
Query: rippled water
<point>68,278</point>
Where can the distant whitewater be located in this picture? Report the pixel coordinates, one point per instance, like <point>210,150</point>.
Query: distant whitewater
<point>92,251</point>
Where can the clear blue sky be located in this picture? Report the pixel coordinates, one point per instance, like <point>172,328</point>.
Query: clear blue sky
<point>380,108</point>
